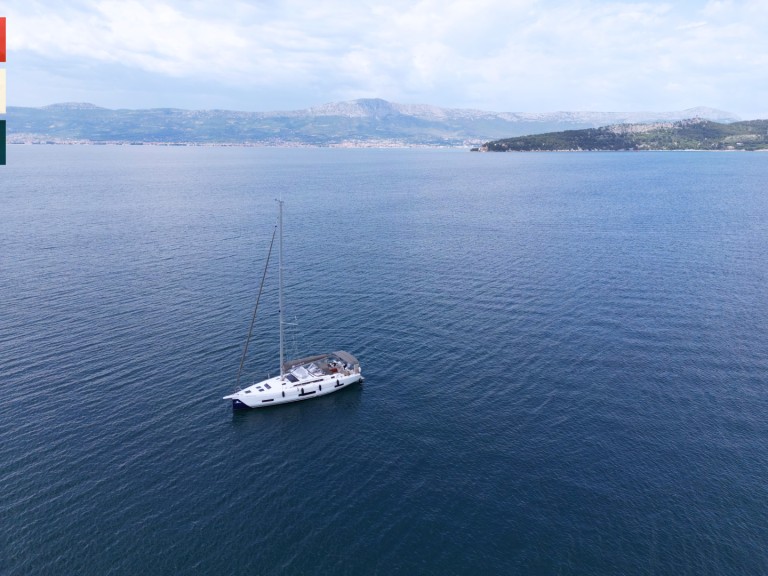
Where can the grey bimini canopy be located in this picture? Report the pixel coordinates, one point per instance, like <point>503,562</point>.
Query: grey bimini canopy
<point>345,357</point>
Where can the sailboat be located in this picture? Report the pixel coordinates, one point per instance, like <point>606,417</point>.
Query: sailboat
<point>299,379</point>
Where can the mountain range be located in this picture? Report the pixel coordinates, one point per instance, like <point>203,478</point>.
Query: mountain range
<point>365,122</point>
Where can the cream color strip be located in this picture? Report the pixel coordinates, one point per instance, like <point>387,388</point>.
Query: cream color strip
<point>2,91</point>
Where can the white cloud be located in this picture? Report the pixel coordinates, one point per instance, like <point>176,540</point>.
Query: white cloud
<point>154,37</point>
<point>493,54</point>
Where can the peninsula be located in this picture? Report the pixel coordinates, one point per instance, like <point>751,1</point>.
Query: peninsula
<point>692,134</point>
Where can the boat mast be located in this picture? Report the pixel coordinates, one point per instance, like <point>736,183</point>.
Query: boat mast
<point>255,311</point>
<point>280,287</point>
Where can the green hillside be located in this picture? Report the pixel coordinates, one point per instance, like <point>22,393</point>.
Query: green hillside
<point>694,134</point>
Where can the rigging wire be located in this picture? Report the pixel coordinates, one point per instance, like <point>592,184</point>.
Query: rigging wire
<point>255,310</point>
<point>294,340</point>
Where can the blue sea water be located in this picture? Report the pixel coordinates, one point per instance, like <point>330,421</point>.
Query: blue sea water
<point>566,361</point>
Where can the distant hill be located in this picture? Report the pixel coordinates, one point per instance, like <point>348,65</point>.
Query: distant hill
<point>366,122</point>
<point>693,134</point>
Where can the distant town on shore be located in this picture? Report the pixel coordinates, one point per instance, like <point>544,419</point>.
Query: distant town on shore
<point>381,124</point>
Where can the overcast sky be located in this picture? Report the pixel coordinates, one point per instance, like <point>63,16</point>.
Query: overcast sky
<point>498,55</point>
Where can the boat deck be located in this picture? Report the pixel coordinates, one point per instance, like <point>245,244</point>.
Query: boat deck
<point>304,370</point>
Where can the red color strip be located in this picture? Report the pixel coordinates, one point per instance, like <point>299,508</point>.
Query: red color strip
<point>2,39</point>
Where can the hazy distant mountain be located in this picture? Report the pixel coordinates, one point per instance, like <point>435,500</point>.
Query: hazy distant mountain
<point>358,122</point>
<point>694,134</point>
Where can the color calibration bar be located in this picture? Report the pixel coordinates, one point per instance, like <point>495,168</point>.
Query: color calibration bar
<point>2,91</point>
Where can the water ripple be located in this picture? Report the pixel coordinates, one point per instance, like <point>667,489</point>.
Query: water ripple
<point>565,361</point>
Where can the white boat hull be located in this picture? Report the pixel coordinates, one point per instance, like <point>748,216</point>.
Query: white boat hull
<point>303,381</point>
